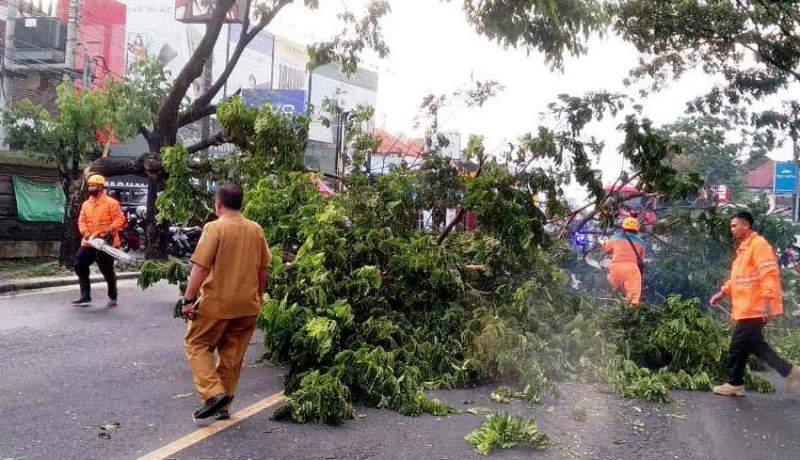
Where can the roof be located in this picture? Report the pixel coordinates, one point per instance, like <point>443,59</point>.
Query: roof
<point>624,189</point>
<point>762,177</point>
<point>399,145</point>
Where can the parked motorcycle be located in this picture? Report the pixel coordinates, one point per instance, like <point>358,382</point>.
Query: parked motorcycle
<point>183,240</point>
<point>133,235</point>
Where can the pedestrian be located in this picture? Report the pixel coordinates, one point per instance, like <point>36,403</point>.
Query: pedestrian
<point>755,291</point>
<point>627,251</point>
<point>100,217</point>
<point>230,275</point>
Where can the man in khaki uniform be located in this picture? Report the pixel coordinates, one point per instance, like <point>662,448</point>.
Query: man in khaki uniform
<point>230,273</point>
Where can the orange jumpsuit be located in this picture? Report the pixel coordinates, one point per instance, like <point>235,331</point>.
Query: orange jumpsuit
<point>624,272</point>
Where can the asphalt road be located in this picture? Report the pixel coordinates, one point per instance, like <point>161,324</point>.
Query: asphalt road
<point>66,372</point>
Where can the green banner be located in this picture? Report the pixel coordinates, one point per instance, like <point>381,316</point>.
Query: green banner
<point>37,201</point>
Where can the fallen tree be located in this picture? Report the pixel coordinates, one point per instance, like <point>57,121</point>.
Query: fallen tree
<point>365,307</point>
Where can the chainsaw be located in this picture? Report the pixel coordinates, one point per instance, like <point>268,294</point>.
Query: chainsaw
<point>102,245</point>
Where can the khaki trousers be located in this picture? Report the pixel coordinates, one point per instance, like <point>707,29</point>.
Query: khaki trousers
<point>229,338</point>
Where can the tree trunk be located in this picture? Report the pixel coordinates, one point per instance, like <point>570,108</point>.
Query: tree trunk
<point>157,233</point>
<point>71,238</point>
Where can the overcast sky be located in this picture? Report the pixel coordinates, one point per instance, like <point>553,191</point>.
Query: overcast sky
<point>435,50</point>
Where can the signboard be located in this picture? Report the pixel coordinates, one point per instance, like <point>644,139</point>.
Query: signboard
<point>290,101</point>
<point>785,178</point>
<point>38,202</point>
<point>201,11</point>
<point>723,194</point>
<point>289,65</point>
<point>254,69</point>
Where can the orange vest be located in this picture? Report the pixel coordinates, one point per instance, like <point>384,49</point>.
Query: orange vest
<point>99,215</point>
<point>755,278</point>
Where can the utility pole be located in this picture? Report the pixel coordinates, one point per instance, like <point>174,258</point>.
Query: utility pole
<point>70,56</point>
<point>8,78</point>
<point>87,62</point>
<point>796,153</point>
<point>227,59</point>
<point>205,123</point>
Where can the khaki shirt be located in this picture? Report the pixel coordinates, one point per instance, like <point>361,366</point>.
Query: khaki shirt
<point>235,250</point>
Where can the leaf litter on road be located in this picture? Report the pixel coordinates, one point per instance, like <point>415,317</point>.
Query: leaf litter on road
<point>106,430</point>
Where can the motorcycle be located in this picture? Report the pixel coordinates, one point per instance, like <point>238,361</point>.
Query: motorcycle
<point>183,240</point>
<point>132,236</point>
<point>192,235</point>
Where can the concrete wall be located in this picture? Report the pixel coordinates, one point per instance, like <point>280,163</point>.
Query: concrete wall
<point>25,239</point>
<point>25,249</point>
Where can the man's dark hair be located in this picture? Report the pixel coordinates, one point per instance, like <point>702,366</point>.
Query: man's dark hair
<point>745,216</point>
<point>230,195</point>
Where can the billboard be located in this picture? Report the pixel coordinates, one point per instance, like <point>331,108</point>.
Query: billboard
<point>254,69</point>
<point>201,11</point>
<point>290,101</point>
<point>151,31</point>
<point>290,63</point>
<point>785,178</point>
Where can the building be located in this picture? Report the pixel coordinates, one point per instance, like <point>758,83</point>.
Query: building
<point>394,151</point>
<point>762,181</point>
<point>347,93</point>
<point>39,54</point>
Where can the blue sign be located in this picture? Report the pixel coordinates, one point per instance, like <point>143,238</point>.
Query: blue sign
<point>291,101</point>
<point>786,178</point>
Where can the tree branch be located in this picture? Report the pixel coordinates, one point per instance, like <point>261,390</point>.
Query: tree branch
<point>244,39</point>
<point>117,166</point>
<point>167,117</point>
<point>461,211</point>
<point>582,223</point>
<point>191,115</point>
<point>146,134</point>
<point>615,187</point>
<point>757,51</point>
<point>217,139</point>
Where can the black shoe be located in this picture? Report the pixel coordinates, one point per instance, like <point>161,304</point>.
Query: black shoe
<point>82,302</point>
<point>112,303</point>
<point>223,414</point>
<point>212,406</point>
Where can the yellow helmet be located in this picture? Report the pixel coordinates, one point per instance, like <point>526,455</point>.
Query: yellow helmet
<point>630,223</point>
<point>97,179</point>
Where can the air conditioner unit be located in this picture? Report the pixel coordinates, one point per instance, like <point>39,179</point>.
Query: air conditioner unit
<point>40,40</point>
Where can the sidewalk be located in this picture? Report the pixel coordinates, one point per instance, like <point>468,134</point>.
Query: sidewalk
<point>12,286</point>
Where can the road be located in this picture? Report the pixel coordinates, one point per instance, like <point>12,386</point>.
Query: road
<point>66,372</point>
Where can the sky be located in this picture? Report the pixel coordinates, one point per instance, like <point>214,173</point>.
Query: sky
<point>434,50</point>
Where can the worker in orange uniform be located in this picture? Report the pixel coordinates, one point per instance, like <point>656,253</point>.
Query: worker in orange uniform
<point>230,276</point>
<point>100,217</point>
<point>627,251</point>
<point>755,291</point>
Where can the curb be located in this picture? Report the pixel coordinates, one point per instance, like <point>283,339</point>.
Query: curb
<point>27,285</point>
